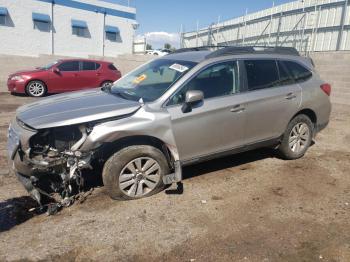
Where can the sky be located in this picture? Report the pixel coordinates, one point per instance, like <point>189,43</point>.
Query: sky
<point>160,20</point>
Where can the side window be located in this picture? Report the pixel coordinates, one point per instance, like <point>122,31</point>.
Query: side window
<point>69,66</point>
<point>285,77</point>
<point>88,66</point>
<point>217,80</point>
<point>261,74</point>
<point>299,72</point>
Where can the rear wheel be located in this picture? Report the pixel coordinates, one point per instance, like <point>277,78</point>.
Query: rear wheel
<point>107,84</point>
<point>297,138</point>
<point>135,172</point>
<point>36,88</point>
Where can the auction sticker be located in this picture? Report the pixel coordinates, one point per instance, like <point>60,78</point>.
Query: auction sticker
<point>179,68</point>
<point>139,79</point>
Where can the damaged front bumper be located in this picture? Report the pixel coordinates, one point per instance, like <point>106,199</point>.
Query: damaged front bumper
<point>44,169</point>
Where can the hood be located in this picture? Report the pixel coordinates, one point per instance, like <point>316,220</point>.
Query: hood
<point>27,72</point>
<point>74,108</point>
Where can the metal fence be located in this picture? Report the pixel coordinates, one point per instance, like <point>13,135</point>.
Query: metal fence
<point>309,25</point>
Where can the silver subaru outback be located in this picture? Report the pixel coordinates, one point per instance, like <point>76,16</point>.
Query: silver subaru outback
<point>186,107</point>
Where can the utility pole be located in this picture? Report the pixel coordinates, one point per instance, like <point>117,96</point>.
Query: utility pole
<point>245,26</point>
<point>52,29</point>
<point>271,20</point>
<point>197,35</point>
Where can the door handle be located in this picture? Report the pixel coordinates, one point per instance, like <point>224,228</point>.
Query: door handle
<point>237,109</point>
<point>290,96</point>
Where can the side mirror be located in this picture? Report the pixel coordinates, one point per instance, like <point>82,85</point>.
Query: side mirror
<point>56,70</point>
<point>193,98</point>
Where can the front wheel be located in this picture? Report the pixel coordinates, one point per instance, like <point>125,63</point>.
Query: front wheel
<point>36,88</point>
<point>135,172</point>
<point>297,138</point>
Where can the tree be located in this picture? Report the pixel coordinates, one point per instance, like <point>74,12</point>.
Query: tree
<point>167,46</point>
<point>149,47</point>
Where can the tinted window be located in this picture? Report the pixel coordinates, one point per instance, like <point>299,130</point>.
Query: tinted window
<point>215,81</point>
<point>69,66</point>
<point>261,74</point>
<point>112,67</point>
<point>285,77</point>
<point>78,31</point>
<point>299,72</point>
<point>90,65</point>
<point>2,19</point>
<point>111,36</point>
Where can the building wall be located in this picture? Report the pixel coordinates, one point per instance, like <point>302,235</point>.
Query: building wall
<point>19,37</point>
<point>312,25</point>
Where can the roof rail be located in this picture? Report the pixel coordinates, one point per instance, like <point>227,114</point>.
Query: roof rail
<point>236,50</point>
<point>200,48</point>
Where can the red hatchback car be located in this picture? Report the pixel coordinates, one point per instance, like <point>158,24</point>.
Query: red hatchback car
<point>62,76</point>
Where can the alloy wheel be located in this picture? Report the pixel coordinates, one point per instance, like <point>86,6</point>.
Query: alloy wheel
<point>36,89</point>
<point>139,177</point>
<point>299,137</point>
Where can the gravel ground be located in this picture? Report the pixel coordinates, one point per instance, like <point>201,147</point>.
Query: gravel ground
<point>247,207</point>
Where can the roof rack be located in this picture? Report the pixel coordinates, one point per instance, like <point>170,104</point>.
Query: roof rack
<point>237,50</point>
<point>200,48</point>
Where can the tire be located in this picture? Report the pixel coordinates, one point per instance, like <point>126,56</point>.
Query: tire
<point>123,184</point>
<point>297,138</point>
<point>36,88</point>
<point>106,83</point>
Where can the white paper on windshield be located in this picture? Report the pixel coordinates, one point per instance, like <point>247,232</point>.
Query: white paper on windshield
<point>179,68</point>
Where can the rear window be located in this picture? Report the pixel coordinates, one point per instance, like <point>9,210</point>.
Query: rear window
<point>87,65</point>
<point>261,74</point>
<point>112,67</point>
<point>299,72</point>
<point>285,76</point>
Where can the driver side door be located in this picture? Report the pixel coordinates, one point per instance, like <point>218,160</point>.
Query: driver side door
<point>217,124</point>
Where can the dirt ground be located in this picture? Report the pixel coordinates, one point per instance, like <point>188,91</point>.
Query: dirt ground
<point>247,207</point>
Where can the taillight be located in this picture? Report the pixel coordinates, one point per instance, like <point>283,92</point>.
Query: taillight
<point>327,88</point>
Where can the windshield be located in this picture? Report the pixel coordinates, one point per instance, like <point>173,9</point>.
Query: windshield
<point>150,81</point>
<point>48,66</point>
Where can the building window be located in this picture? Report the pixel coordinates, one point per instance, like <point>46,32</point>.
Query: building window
<point>79,28</point>
<point>41,22</point>
<point>112,33</point>
<point>3,15</point>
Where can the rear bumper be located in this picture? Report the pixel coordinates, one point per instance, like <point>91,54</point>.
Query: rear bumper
<point>16,86</point>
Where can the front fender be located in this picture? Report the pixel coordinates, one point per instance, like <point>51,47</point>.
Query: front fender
<point>144,122</point>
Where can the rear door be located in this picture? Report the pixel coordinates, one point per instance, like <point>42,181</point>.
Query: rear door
<point>67,79</point>
<point>272,97</point>
<point>89,74</point>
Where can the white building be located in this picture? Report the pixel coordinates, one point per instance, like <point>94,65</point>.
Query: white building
<point>308,25</point>
<point>66,27</point>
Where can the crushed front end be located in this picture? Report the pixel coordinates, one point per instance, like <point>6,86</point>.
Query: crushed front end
<point>48,162</point>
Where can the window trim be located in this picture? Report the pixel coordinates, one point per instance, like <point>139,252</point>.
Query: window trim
<point>166,105</point>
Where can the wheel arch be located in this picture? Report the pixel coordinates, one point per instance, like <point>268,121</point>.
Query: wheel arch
<point>105,80</point>
<point>308,112</point>
<point>108,149</point>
